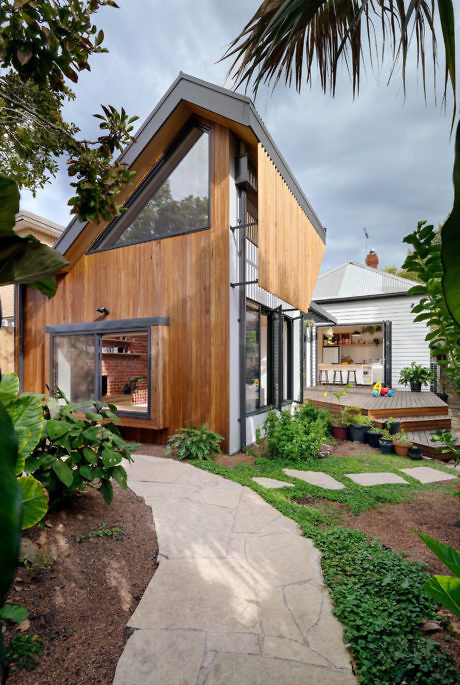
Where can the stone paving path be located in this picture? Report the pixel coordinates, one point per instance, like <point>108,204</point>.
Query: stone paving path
<point>237,598</point>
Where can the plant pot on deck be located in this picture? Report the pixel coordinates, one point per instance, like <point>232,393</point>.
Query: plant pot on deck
<point>393,428</point>
<point>401,448</point>
<point>386,446</point>
<point>373,439</point>
<point>414,453</point>
<point>357,433</point>
<point>415,386</point>
<point>443,396</point>
<point>339,432</point>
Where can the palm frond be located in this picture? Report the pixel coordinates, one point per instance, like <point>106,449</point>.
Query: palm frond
<point>287,38</point>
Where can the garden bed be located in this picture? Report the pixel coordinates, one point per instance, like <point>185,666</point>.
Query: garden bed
<point>81,603</point>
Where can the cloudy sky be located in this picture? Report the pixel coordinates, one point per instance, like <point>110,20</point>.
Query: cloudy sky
<point>381,162</point>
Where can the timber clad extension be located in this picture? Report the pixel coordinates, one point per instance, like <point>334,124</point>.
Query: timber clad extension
<point>174,287</point>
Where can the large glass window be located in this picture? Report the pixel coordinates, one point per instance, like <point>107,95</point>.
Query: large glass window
<point>257,357</point>
<point>110,367</point>
<point>173,200</point>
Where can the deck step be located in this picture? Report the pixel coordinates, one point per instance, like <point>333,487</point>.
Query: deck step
<point>422,439</point>
<point>419,423</point>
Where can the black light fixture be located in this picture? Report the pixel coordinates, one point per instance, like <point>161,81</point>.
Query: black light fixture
<point>103,310</point>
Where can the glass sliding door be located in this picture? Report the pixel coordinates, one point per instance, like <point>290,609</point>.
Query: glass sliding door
<point>252,357</point>
<point>74,366</point>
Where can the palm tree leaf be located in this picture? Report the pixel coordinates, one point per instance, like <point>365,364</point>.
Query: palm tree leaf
<point>450,240</point>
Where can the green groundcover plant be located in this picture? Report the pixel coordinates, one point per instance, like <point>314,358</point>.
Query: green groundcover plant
<point>379,596</point>
<point>195,443</point>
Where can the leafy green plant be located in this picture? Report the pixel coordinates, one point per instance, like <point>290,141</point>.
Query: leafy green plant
<point>195,443</point>
<point>415,373</point>
<point>351,415</point>
<point>451,444</point>
<point>401,437</point>
<point>444,589</point>
<point>76,452</point>
<point>14,613</point>
<point>23,651</point>
<point>41,563</point>
<point>292,437</point>
<point>102,531</point>
<point>391,421</point>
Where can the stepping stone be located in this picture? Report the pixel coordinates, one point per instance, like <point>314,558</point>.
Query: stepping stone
<point>318,478</point>
<point>425,474</point>
<point>375,478</point>
<point>272,483</point>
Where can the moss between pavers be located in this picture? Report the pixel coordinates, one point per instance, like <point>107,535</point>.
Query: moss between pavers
<point>378,594</point>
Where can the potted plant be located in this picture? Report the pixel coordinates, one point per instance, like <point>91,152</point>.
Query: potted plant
<point>414,453</point>
<point>401,444</point>
<point>359,427</point>
<point>415,376</point>
<point>392,426</point>
<point>373,434</point>
<point>442,361</point>
<point>386,443</point>
<point>340,426</point>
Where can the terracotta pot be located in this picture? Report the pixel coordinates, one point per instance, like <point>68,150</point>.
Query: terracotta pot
<point>340,432</point>
<point>401,448</point>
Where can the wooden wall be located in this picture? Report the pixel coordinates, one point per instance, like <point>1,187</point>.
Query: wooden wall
<point>185,278</point>
<point>290,249</point>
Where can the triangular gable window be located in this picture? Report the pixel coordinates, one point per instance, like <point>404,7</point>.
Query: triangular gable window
<point>174,199</point>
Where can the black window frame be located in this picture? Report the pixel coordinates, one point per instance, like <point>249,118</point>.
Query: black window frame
<point>98,329</point>
<point>135,203</point>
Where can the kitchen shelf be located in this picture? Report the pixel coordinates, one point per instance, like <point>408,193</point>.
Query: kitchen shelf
<point>124,354</point>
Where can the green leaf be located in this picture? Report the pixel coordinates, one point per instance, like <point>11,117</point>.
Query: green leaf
<point>110,458</point>
<point>450,241</point>
<point>26,260</point>
<point>448,555</point>
<point>9,387</point>
<point>56,429</point>
<point>106,491</point>
<point>446,591</point>
<point>91,434</point>
<point>14,613</point>
<point>86,472</point>
<point>92,416</point>
<point>10,504</point>
<point>90,455</point>
<point>63,472</point>
<point>119,475</point>
<point>9,204</point>
<point>26,411</point>
<point>34,501</point>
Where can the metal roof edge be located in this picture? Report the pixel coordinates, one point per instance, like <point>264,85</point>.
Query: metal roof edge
<point>399,293</point>
<point>230,105</point>
<point>320,311</point>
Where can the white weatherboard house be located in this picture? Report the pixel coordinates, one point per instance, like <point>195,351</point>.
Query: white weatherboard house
<point>372,330</point>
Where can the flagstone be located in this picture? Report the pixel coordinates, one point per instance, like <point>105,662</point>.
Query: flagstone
<point>318,478</point>
<point>426,474</point>
<point>380,478</point>
<point>272,483</point>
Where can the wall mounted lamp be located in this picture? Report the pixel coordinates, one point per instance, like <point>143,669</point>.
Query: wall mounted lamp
<point>103,310</point>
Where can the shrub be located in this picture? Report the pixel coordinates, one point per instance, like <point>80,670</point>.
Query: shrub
<point>309,413</point>
<point>195,443</point>
<point>75,452</point>
<point>291,437</point>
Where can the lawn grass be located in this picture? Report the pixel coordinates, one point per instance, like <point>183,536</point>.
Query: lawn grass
<point>378,595</point>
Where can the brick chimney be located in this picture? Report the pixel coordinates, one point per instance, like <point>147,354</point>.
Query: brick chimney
<point>372,259</point>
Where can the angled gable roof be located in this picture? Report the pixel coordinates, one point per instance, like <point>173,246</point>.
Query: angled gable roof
<point>230,106</point>
<point>352,280</point>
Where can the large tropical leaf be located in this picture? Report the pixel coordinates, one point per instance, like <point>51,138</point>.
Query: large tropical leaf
<point>446,591</point>
<point>10,508</point>
<point>9,204</point>
<point>34,501</point>
<point>24,260</point>
<point>448,555</point>
<point>9,387</point>
<point>15,613</point>
<point>26,412</point>
<point>285,38</point>
<point>450,244</point>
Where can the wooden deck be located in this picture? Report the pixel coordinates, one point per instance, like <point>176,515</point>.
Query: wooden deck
<point>420,413</point>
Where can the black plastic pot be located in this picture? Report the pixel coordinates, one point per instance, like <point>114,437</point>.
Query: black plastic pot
<point>415,386</point>
<point>373,439</point>
<point>414,452</point>
<point>357,433</point>
<point>386,446</point>
<point>442,396</point>
<point>393,428</point>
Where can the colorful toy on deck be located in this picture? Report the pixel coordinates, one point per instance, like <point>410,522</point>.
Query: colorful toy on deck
<point>380,389</point>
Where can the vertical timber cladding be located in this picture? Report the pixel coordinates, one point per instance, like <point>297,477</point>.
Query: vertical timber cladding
<point>185,278</point>
<point>290,249</point>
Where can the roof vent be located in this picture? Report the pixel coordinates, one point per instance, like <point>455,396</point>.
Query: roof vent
<point>372,260</point>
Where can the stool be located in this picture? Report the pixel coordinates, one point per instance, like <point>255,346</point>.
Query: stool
<point>349,379</point>
<point>339,374</point>
<point>323,377</point>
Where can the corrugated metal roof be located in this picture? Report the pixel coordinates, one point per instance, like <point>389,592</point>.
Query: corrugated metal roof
<point>358,280</point>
